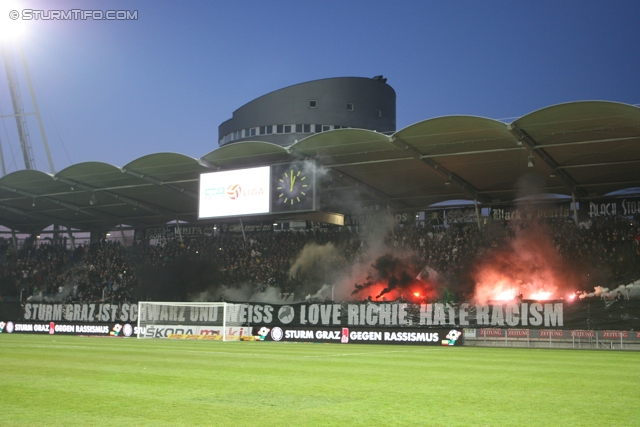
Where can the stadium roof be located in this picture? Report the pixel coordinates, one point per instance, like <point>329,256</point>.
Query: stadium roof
<point>585,148</point>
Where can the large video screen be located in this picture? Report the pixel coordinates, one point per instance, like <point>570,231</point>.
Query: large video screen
<point>281,188</point>
<point>235,192</point>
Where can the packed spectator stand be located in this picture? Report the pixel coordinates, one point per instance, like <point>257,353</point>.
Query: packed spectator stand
<point>176,269</point>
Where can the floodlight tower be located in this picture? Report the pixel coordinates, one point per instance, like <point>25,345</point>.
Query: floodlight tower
<point>18,111</point>
<point>11,30</point>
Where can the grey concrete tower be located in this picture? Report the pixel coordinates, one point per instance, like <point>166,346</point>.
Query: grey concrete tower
<point>290,114</point>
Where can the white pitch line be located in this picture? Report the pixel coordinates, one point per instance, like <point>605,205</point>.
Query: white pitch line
<point>290,355</point>
<point>358,354</point>
<point>228,352</point>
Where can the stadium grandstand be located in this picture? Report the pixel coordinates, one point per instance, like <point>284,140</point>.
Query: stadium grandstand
<point>548,202</point>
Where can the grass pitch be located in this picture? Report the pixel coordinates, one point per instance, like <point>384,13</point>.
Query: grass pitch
<point>73,381</point>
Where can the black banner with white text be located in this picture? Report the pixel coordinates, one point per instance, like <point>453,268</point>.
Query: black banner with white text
<point>588,315</point>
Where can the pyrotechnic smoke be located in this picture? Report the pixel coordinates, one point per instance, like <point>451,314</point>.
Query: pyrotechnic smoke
<point>309,168</point>
<point>313,257</point>
<point>527,265</point>
<point>324,293</point>
<point>630,291</point>
<point>393,276</point>
<point>385,272</point>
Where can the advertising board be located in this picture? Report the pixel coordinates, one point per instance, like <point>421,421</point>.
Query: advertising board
<point>433,337</point>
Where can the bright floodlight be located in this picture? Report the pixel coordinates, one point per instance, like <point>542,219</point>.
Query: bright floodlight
<point>12,25</point>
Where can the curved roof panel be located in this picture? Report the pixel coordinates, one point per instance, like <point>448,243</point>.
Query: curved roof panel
<point>160,164</point>
<point>455,135</point>
<point>347,146</point>
<point>595,144</point>
<point>246,153</point>
<point>340,142</point>
<point>584,120</point>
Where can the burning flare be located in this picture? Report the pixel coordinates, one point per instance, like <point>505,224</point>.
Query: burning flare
<point>528,268</point>
<point>391,277</point>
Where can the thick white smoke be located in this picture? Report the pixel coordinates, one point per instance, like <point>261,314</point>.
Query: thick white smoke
<point>630,291</point>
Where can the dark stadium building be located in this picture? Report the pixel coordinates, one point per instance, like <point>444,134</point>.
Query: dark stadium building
<point>288,115</point>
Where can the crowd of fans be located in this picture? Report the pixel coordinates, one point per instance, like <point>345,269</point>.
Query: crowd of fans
<point>179,268</point>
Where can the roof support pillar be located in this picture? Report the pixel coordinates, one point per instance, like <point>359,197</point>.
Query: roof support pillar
<point>244,236</point>
<point>15,241</point>
<point>71,238</point>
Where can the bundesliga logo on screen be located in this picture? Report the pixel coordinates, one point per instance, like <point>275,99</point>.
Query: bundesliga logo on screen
<point>234,191</point>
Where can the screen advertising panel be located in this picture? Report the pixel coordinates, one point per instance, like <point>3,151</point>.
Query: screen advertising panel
<point>235,192</point>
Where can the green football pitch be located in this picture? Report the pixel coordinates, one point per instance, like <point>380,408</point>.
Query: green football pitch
<point>81,381</point>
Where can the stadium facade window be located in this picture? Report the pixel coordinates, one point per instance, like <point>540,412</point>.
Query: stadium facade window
<point>313,103</point>
<point>379,113</point>
<point>350,106</point>
<point>281,129</point>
